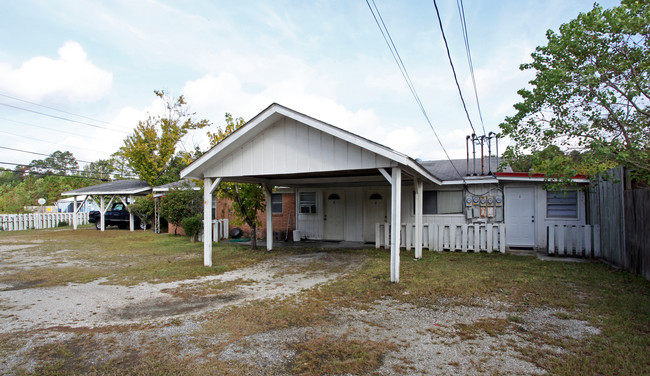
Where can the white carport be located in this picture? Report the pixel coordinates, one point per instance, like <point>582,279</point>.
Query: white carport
<point>282,147</point>
<point>123,190</point>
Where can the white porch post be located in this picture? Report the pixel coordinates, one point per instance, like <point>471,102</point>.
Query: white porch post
<point>209,186</point>
<point>74,213</point>
<point>419,193</point>
<point>269,219</point>
<point>395,219</point>
<point>131,225</point>
<point>102,211</point>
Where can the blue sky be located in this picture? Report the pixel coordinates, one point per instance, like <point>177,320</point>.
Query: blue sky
<point>327,59</point>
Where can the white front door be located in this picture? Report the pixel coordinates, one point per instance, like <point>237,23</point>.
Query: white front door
<point>520,216</point>
<point>374,211</point>
<point>333,218</point>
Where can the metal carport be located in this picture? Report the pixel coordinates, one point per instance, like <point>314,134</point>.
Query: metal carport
<point>122,189</point>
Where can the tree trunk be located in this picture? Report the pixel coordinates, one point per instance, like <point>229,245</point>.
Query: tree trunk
<point>253,236</point>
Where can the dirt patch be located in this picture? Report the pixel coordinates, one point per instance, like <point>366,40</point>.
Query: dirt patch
<point>98,304</point>
<point>165,307</point>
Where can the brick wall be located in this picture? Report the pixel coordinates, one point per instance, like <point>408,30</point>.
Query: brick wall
<point>280,221</point>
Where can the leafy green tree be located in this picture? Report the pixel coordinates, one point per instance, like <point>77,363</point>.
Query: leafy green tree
<point>247,199</point>
<point>181,203</point>
<point>100,169</point>
<point>591,93</point>
<point>59,162</point>
<point>151,148</point>
<point>143,208</point>
<point>192,226</point>
<point>14,197</point>
<point>232,124</point>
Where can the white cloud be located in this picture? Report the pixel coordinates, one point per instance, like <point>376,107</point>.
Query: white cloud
<point>70,77</point>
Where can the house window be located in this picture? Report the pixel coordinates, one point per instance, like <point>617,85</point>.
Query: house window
<point>562,204</point>
<point>276,203</point>
<point>441,202</point>
<point>450,202</point>
<point>307,202</point>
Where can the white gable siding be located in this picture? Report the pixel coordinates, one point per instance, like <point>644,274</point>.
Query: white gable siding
<point>288,146</point>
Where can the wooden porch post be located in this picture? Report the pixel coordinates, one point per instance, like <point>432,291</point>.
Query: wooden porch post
<point>395,219</point>
<point>419,193</point>
<point>209,186</point>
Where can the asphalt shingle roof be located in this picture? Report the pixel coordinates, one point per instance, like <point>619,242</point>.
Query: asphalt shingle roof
<point>444,170</point>
<point>119,187</point>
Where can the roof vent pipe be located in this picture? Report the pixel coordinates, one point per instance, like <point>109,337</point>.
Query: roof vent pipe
<point>474,153</point>
<point>496,141</point>
<point>490,153</point>
<point>482,138</point>
<point>467,148</point>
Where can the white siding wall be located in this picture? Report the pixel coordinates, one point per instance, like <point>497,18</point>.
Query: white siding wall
<point>408,214</point>
<point>288,146</point>
<point>541,220</point>
<point>540,212</point>
<point>354,214</point>
<point>310,225</point>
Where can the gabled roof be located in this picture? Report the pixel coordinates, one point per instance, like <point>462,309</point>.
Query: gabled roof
<point>204,166</point>
<point>119,187</point>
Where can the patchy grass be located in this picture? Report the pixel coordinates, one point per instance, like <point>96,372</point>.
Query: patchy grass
<point>617,303</point>
<point>122,257</point>
<point>339,356</point>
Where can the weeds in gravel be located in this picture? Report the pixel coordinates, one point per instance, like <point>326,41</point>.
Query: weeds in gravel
<point>617,303</point>
<point>338,356</point>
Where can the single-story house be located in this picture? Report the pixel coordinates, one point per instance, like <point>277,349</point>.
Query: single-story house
<point>349,188</point>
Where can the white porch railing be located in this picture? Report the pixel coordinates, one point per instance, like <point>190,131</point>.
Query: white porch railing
<point>581,241</point>
<point>220,230</point>
<point>16,222</point>
<point>438,237</point>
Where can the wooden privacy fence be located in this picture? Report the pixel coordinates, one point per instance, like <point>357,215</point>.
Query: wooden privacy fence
<point>220,229</point>
<point>623,214</point>
<point>573,240</point>
<point>439,237</point>
<point>16,222</point>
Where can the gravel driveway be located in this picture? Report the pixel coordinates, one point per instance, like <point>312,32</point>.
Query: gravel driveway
<point>426,341</point>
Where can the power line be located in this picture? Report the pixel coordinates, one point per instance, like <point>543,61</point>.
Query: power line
<point>62,118</point>
<point>59,170</point>
<point>48,128</point>
<point>400,64</point>
<point>444,38</point>
<point>33,152</point>
<point>56,109</point>
<point>49,142</point>
<point>463,25</point>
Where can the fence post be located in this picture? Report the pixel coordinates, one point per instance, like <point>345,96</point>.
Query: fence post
<point>596,240</point>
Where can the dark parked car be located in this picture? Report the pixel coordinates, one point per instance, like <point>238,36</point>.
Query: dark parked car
<point>118,216</point>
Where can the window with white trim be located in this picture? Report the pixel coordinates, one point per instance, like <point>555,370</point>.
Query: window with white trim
<point>562,204</point>
<point>307,203</point>
<point>276,203</point>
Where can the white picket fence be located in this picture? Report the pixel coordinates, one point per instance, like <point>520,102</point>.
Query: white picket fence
<point>572,240</point>
<point>438,237</point>
<point>220,230</point>
<point>16,222</point>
